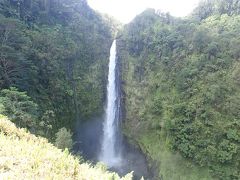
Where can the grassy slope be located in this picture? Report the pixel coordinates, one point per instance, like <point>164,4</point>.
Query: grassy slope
<point>25,156</point>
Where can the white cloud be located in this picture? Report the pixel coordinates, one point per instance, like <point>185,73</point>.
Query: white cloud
<point>126,10</point>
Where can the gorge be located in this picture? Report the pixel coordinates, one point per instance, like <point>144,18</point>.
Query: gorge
<point>164,103</point>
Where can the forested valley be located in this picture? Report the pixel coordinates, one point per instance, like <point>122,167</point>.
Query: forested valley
<point>180,85</point>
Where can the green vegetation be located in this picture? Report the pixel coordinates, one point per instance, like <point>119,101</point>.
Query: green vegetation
<point>57,52</point>
<point>64,139</point>
<point>181,83</point>
<point>182,90</point>
<point>25,156</point>
<point>19,107</point>
<point>53,61</point>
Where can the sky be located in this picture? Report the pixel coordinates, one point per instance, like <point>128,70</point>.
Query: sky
<point>126,10</point>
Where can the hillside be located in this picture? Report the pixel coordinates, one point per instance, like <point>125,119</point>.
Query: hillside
<point>57,52</point>
<point>25,156</point>
<point>181,90</point>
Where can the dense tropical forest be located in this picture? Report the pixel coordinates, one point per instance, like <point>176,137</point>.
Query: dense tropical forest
<point>53,58</point>
<point>53,61</point>
<point>180,80</point>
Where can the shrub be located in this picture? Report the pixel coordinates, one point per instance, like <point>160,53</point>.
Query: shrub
<point>64,139</point>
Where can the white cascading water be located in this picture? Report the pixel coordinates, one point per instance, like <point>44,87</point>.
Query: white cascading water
<point>109,151</point>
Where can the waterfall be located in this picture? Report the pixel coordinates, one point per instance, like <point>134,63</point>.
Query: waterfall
<point>110,150</point>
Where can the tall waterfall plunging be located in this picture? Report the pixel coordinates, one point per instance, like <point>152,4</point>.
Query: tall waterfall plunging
<point>111,146</point>
<point>101,139</point>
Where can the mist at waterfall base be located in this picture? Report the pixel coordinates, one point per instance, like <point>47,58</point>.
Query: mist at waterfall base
<point>88,141</point>
<point>100,139</point>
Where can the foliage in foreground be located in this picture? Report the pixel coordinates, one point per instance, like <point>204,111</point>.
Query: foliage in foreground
<point>25,156</point>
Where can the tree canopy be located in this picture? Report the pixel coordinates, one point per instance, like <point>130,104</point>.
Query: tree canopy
<point>181,86</point>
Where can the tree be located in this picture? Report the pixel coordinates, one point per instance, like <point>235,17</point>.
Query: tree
<point>47,122</point>
<point>19,107</point>
<point>200,40</point>
<point>64,139</point>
